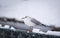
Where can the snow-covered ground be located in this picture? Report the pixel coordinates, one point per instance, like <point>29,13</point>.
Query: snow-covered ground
<point>57,33</point>
<point>7,27</point>
<point>37,31</point>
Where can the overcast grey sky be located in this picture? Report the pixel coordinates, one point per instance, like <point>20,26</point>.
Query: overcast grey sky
<point>46,11</point>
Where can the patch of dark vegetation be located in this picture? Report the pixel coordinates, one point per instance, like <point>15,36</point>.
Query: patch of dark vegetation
<point>5,19</point>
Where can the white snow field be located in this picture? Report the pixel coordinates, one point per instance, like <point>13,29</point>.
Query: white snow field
<point>35,30</point>
<point>57,33</point>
